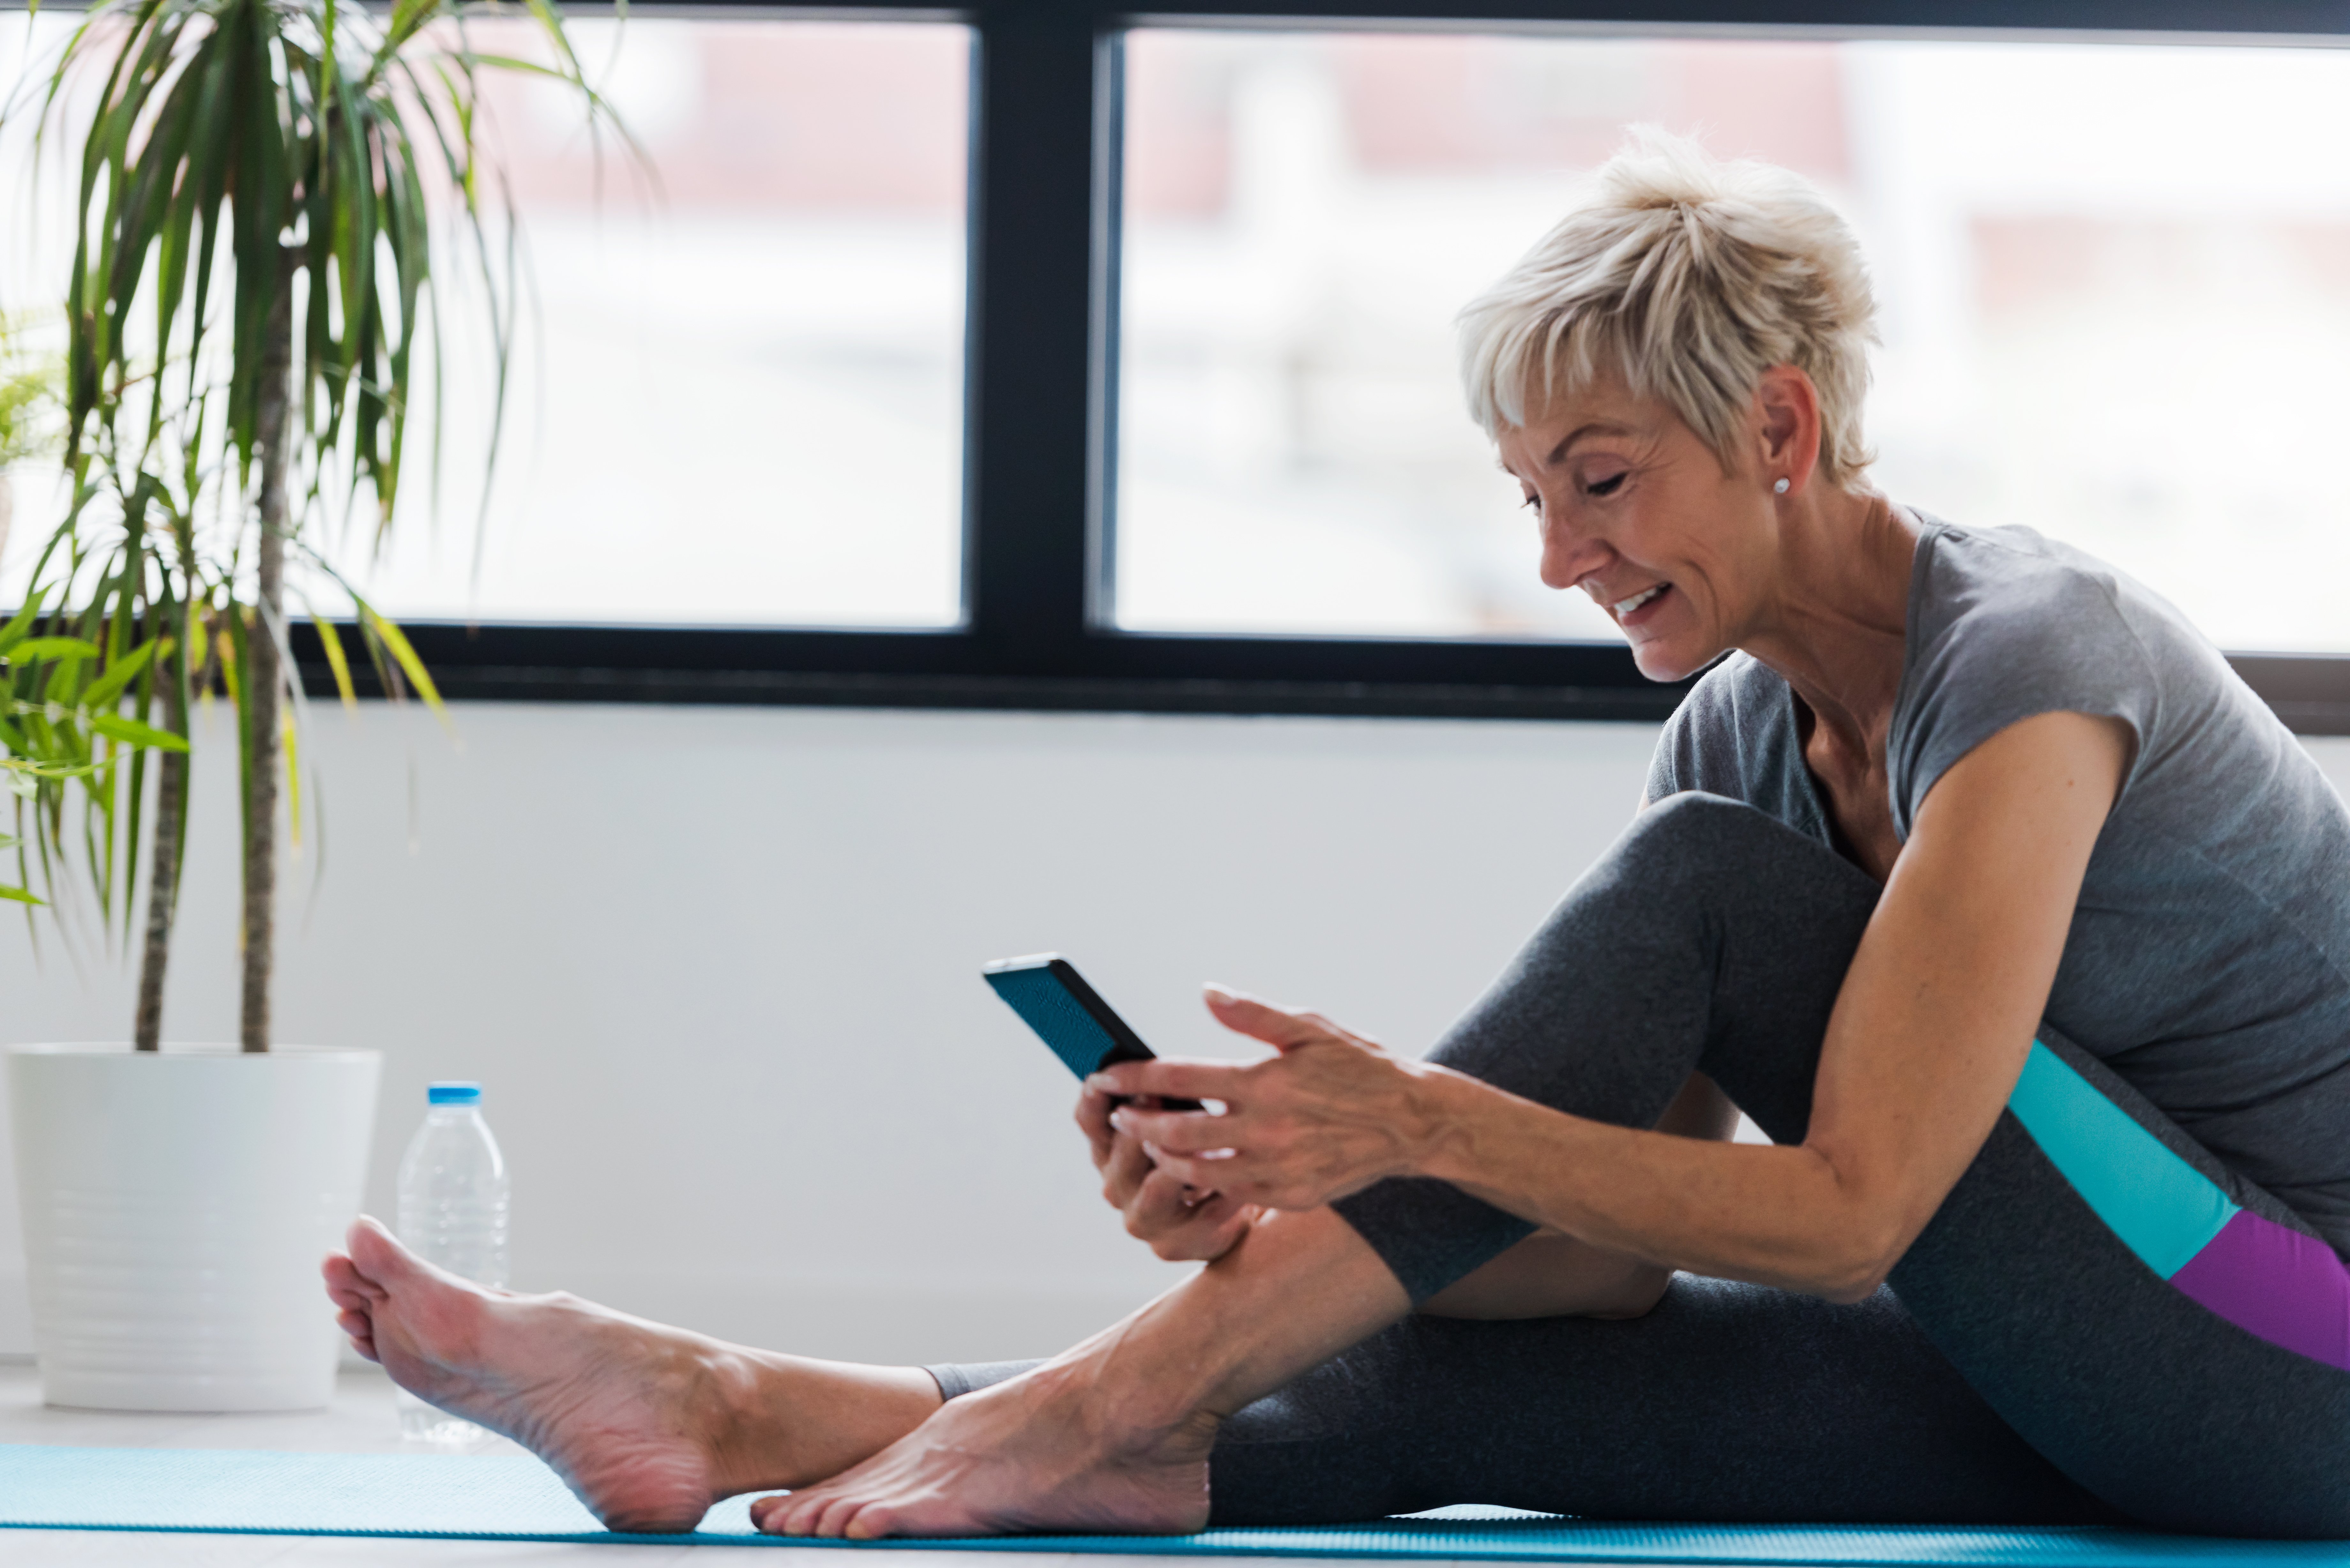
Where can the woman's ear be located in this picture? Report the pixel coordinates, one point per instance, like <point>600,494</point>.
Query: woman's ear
<point>1787,427</point>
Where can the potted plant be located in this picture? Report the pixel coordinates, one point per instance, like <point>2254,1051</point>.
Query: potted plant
<point>54,720</point>
<point>265,188</point>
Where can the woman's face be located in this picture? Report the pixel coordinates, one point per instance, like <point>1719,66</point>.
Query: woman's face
<point>1636,511</point>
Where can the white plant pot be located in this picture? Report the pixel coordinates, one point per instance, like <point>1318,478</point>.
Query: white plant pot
<point>177,1205</point>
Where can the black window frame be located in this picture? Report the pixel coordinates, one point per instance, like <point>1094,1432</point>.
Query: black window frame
<point>1040,426</point>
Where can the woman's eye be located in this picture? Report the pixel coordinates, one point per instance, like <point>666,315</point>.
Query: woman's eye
<point>1607,486</point>
<point>1533,504</point>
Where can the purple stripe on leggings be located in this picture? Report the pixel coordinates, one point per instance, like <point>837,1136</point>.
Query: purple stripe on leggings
<point>2288,1288</point>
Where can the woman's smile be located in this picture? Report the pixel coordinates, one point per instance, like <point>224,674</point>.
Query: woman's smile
<point>1639,608</point>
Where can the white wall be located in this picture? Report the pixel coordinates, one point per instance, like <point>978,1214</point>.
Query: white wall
<point>718,969</point>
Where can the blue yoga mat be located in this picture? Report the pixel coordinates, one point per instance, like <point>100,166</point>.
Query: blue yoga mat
<point>499,1498</point>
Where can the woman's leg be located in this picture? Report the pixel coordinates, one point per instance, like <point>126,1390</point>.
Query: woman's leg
<point>1712,938</point>
<point>1729,1402</point>
<point>2168,1334</point>
<point>649,1425</point>
<point>1708,938</point>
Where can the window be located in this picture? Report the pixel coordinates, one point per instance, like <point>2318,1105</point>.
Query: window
<point>1058,361</point>
<point>737,387</point>
<point>741,400</point>
<point>2114,282</point>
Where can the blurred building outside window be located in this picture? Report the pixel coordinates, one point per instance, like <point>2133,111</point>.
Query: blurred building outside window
<point>738,393</point>
<point>2114,283</point>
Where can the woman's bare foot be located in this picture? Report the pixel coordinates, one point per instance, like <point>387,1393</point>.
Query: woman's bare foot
<point>649,1425</point>
<point>1032,1454</point>
<point>1112,1437</point>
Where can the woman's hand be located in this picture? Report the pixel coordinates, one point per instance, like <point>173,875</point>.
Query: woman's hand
<point>1329,1115</point>
<point>1182,1223</point>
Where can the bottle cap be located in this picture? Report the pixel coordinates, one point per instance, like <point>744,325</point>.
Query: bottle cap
<point>454,1093</point>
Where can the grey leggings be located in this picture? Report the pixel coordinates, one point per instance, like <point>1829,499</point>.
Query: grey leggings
<point>2023,1365</point>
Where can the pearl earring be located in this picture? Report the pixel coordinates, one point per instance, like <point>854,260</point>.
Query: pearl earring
<point>1780,488</point>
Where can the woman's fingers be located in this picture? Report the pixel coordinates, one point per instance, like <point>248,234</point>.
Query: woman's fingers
<point>1157,1214</point>
<point>1279,1027</point>
<point>1180,1132</point>
<point>1182,1224</point>
<point>1169,1079</point>
<point>1198,1173</point>
<point>1124,1173</point>
<point>1094,1107</point>
<point>1214,1227</point>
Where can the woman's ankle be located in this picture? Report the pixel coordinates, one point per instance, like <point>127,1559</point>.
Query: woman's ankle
<point>1295,1291</point>
<point>782,1421</point>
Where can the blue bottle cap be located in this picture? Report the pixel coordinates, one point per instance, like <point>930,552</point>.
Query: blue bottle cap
<point>454,1093</point>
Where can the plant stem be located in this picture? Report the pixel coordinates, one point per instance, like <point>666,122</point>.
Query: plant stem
<point>261,674</point>
<point>162,887</point>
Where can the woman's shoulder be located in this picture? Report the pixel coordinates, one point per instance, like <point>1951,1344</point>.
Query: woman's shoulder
<point>2005,623</point>
<point>2010,603</point>
<point>2014,578</point>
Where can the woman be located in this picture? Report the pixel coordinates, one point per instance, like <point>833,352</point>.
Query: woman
<point>1969,871</point>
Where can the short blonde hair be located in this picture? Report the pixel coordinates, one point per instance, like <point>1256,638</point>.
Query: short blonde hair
<point>1686,278</point>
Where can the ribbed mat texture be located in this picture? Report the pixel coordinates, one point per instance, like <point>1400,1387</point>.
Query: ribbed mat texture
<point>500,1498</point>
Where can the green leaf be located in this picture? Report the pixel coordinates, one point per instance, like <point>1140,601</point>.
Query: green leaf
<point>132,732</point>
<point>34,649</point>
<point>332,641</point>
<point>405,656</point>
<point>21,624</point>
<point>18,896</point>
<point>107,688</point>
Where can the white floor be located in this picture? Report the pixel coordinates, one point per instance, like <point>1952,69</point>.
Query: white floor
<point>361,1421</point>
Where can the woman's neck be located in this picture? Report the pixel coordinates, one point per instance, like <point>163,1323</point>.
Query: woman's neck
<point>1835,628</point>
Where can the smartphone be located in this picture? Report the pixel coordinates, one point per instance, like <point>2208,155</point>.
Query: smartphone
<point>1053,999</point>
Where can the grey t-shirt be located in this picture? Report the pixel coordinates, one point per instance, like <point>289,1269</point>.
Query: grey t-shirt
<point>2207,955</point>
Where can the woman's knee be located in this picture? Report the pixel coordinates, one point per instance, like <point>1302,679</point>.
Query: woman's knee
<point>1693,837</point>
<point>1694,820</point>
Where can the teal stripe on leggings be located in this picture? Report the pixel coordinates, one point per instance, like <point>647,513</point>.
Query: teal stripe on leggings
<point>2162,1208</point>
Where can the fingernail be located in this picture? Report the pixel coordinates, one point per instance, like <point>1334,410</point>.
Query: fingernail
<point>1117,1119</point>
<point>1220,991</point>
<point>1099,1082</point>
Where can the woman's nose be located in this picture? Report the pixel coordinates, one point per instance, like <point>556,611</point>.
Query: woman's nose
<point>1569,554</point>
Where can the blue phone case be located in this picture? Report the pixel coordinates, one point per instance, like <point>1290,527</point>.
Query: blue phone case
<point>1053,999</point>
<point>1044,1004</point>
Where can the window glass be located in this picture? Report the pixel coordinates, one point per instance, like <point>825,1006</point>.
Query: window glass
<point>737,393</point>
<point>2114,283</point>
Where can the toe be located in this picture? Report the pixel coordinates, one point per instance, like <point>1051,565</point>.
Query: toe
<point>351,1300</point>
<point>344,1280</point>
<point>376,1256</point>
<point>796,1514</point>
<point>838,1513</point>
<point>873,1521</point>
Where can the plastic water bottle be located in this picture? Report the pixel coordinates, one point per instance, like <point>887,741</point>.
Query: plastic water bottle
<point>452,1212</point>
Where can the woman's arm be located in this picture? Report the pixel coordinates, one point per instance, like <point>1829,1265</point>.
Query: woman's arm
<point>1551,1274</point>
<point>1547,1275</point>
<point>1928,1032</point>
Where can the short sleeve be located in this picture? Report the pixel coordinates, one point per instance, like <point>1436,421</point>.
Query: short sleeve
<point>2003,630</point>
